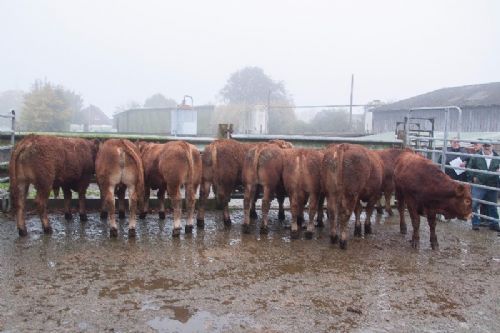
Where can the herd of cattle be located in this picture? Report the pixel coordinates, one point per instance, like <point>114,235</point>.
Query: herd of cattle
<point>344,174</point>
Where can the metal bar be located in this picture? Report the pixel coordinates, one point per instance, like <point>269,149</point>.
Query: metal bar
<point>487,203</point>
<point>484,172</point>
<point>486,217</point>
<point>319,106</point>
<point>478,185</point>
<point>443,152</point>
<point>6,147</point>
<point>4,163</point>
<point>4,180</point>
<point>13,136</point>
<point>454,153</point>
<point>492,142</point>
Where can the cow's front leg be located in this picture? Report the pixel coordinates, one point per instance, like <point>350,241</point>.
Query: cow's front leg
<point>247,204</point>
<point>67,203</point>
<point>132,203</point>
<point>81,204</point>
<point>431,219</point>
<point>266,205</point>
<point>190,201</point>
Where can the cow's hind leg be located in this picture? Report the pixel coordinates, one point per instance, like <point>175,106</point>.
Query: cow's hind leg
<point>319,219</point>
<point>267,197</point>
<point>161,203</point>
<point>174,193</point>
<point>204,192</point>
<point>357,213</point>
<point>67,203</point>
<point>387,197</point>
<point>42,196</point>
<point>248,200</point>
<point>190,201</point>
<point>132,203</point>
<point>313,208</point>
<point>281,209</point>
<point>415,221</point>
<point>109,208</point>
<point>145,208</point>
<point>370,207</point>
<point>332,219</point>
<point>294,209</point>
<point>20,204</point>
<point>121,201</point>
<point>401,209</point>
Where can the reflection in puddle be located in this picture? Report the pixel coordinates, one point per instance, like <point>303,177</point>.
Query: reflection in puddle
<point>201,322</point>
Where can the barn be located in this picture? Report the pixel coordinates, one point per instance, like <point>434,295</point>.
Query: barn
<point>480,106</point>
<point>159,120</point>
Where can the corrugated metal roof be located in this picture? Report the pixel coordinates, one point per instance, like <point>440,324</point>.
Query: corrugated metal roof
<point>487,94</point>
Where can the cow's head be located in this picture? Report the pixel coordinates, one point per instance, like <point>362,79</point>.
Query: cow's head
<point>461,202</point>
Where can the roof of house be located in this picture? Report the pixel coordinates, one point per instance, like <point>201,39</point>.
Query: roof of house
<point>486,94</point>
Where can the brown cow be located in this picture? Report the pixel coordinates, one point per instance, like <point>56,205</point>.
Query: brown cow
<point>263,166</point>
<point>302,181</point>
<point>48,163</point>
<point>428,191</point>
<point>222,168</point>
<point>389,157</point>
<point>118,164</point>
<point>351,174</point>
<point>169,167</point>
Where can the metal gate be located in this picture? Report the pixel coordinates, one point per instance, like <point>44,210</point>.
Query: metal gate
<point>433,152</point>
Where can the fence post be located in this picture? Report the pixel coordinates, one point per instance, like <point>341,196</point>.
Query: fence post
<point>445,138</point>
<point>13,134</point>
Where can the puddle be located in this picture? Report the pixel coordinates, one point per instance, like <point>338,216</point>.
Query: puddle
<point>201,322</point>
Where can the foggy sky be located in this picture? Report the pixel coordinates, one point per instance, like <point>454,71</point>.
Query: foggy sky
<point>112,52</point>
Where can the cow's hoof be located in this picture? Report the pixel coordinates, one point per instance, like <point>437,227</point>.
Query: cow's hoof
<point>368,229</point>
<point>47,230</point>
<point>227,222</point>
<point>22,232</point>
<point>300,221</point>
<point>281,216</point>
<point>142,215</point>
<point>334,239</point>
<point>161,215</point>
<point>83,218</point>
<point>343,244</point>
<point>131,233</point>
<point>188,229</point>
<point>121,215</point>
<point>176,232</point>
<point>380,211</point>
<point>357,231</point>
<point>68,216</point>
<point>294,234</point>
<point>113,232</point>
<point>200,223</point>
<point>245,228</point>
<point>253,214</point>
<point>402,229</point>
<point>320,224</point>
<point>390,212</point>
<point>264,230</point>
<point>104,215</point>
<point>435,246</point>
<point>415,243</point>
<point>308,234</point>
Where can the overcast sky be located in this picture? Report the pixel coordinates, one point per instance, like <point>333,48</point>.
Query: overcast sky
<point>112,52</point>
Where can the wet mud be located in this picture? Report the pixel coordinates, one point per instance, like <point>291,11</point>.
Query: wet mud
<point>221,280</point>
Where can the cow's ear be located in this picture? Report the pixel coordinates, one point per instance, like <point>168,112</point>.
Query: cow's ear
<point>460,190</point>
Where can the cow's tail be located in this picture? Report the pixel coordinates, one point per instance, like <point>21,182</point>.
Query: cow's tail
<point>255,163</point>
<point>13,187</point>
<point>339,164</point>
<point>213,156</point>
<point>139,186</point>
<point>189,155</point>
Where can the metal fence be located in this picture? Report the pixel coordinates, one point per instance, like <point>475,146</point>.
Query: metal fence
<point>429,150</point>
<point>5,150</point>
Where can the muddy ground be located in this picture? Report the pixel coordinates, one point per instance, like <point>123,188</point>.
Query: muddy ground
<point>220,280</point>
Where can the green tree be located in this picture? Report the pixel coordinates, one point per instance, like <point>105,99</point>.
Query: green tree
<point>49,108</point>
<point>331,121</point>
<point>159,101</point>
<point>251,85</point>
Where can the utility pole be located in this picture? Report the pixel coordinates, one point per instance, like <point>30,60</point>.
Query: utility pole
<point>350,103</point>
